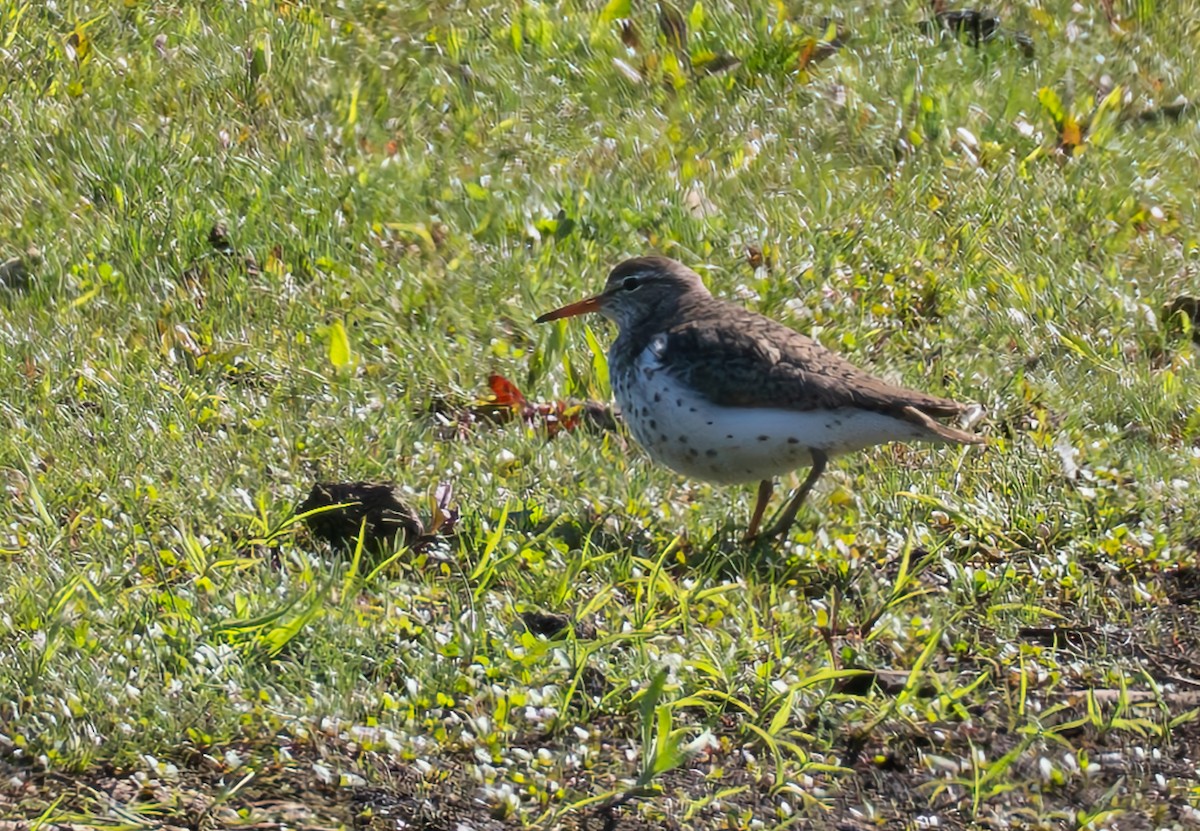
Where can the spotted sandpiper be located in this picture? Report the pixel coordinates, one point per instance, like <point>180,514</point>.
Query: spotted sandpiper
<point>719,393</point>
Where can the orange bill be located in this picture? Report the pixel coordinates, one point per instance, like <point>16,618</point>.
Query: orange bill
<point>582,307</point>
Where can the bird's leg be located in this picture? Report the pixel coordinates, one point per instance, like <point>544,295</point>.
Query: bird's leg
<point>765,487</point>
<point>788,516</point>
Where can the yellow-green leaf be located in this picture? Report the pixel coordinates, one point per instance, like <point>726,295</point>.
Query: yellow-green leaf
<point>352,114</point>
<point>14,24</point>
<point>785,712</point>
<point>616,10</point>
<point>599,359</point>
<point>1051,103</point>
<point>260,58</point>
<point>339,346</point>
<point>1104,119</point>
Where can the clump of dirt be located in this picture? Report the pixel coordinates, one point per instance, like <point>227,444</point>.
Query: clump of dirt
<point>14,274</point>
<point>1188,307</point>
<point>976,26</point>
<point>551,625</point>
<point>1182,585</point>
<point>386,514</point>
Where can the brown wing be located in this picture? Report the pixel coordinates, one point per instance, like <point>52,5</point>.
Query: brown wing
<point>742,359</point>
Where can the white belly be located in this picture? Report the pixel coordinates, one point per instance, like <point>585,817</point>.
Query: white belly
<point>729,445</point>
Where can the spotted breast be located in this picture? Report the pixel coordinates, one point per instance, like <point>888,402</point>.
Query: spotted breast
<point>682,429</point>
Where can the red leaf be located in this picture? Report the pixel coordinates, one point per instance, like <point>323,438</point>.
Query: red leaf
<point>506,392</point>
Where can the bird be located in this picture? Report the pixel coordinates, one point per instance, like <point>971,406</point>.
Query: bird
<point>722,394</point>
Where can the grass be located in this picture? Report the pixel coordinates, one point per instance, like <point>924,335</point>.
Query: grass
<point>991,637</point>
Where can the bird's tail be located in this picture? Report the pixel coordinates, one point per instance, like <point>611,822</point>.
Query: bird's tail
<point>939,431</point>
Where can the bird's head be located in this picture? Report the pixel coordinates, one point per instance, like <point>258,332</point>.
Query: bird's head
<point>639,290</point>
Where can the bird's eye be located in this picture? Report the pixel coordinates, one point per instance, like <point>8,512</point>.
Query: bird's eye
<point>630,283</point>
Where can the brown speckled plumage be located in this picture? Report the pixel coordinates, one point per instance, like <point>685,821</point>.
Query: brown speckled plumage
<point>737,358</point>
